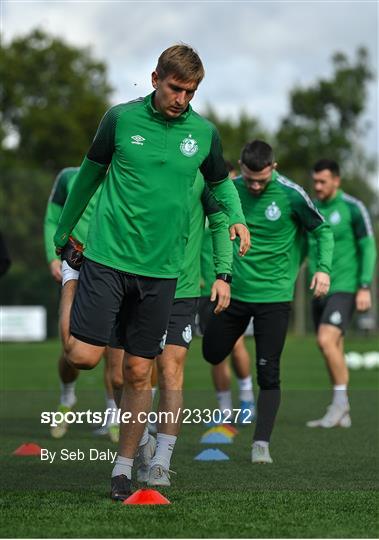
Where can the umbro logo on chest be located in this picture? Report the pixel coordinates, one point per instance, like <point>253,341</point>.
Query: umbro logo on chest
<point>137,139</point>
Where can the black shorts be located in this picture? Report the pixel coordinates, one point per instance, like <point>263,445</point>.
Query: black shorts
<point>270,329</point>
<point>181,322</point>
<point>205,311</point>
<point>121,310</point>
<point>336,309</point>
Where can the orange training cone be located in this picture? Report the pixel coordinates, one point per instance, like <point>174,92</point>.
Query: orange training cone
<point>28,449</point>
<point>146,496</point>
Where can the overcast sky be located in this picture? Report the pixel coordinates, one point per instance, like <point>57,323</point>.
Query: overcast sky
<point>253,52</point>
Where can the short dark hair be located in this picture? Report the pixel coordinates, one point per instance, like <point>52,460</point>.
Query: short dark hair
<point>257,155</point>
<point>328,164</point>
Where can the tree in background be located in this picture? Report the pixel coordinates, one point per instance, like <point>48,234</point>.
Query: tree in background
<point>325,120</point>
<point>52,98</point>
<point>235,134</point>
<point>53,95</point>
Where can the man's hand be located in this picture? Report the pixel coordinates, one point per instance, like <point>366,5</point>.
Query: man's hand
<point>363,300</point>
<point>243,232</point>
<point>221,291</point>
<point>320,284</point>
<point>56,270</point>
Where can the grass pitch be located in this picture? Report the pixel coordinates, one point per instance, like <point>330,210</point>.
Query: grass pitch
<point>323,483</point>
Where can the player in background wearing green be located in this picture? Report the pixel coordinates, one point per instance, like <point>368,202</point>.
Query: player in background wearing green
<point>277,211</point>
<point>67,373</point>
<point>153,460</point>
<point>352,273</point>
<point>240,358</point>
<point>146,153</point>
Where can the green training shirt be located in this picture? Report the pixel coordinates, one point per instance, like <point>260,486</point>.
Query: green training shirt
<point>354,244</point>
<point>208,271</point>
<point>141,220</point>
<point>277,218</point>
<point>204,204</point>
<point>61,188</point>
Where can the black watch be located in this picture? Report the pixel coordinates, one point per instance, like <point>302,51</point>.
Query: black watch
<point>225,277</point>
<point>364,286</point>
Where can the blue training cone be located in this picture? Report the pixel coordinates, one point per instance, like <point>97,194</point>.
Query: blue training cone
<point>215,438</point>
<point>212,454</point>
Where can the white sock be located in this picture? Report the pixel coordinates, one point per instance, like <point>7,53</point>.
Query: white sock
<point>110,403</point>
<point>246,388</point>
<point>112,417</point>
<point>225,400</point>
<point>68,397</point>
<point>261,443</point>
<point>68,273</point>
<point>145,437</point>
<point>165,448</point>
<point>123,465</point>
<point>340,395</point>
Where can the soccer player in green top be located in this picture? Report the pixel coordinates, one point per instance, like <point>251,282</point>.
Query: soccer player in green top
<point>177,341</point>
<point>277,211</point>
<point>67,373</point>
<point>240,358</point>
<point>352,272</point>
<point>146,153</point>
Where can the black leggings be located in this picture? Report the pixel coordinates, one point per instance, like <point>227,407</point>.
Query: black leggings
<point>270,328</point>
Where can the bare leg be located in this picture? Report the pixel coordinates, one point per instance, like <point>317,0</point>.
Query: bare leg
<point>170,366</point>
<point>170,376</point>
<point>241,359</point>
<point>115,362</point>
<point>67,373</point>
<point>221,376</point>
<point>107,375</point>
<point>154,375</point>
<point>79,355</point>
<point>242,369</point>
<point>136,398</point>
<point>330,341</point>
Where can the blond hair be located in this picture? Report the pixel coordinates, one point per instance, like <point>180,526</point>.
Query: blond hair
<point>182,62</point>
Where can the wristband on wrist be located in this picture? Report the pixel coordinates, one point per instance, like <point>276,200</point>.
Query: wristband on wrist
<point>225,277</point>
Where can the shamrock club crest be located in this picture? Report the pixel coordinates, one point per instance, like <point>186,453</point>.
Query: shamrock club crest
<point>273,212</point>
<point>189,146</point>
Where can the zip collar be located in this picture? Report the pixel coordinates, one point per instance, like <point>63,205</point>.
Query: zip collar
<point>149,104</point>
<point>331,201</point>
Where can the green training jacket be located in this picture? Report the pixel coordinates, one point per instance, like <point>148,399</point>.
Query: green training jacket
<point>204,204</point>
<point>277,219</point>
<point>148,165</point>
<point>354,244</point>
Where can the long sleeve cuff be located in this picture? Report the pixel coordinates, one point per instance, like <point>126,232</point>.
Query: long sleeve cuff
<point>222,245</point>
<point>325,246</point>
<point>367,250</point>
